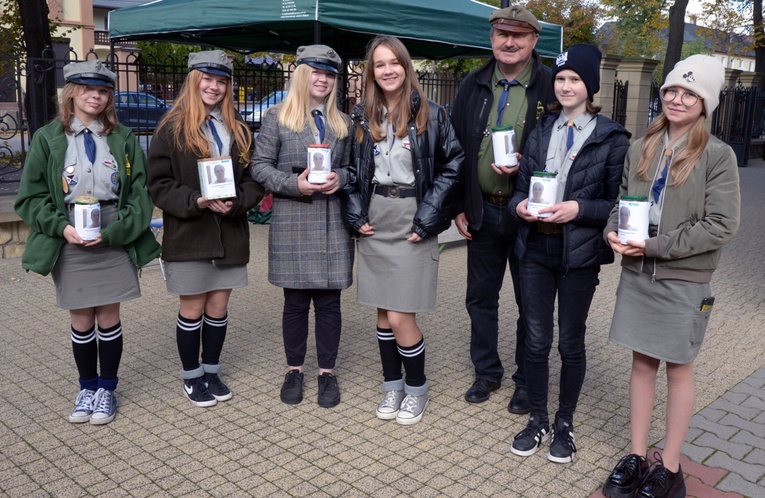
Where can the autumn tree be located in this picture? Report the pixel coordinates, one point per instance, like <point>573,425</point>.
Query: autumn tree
<point>579,18</point>
<point>636,28</point>
<point>676,35</point>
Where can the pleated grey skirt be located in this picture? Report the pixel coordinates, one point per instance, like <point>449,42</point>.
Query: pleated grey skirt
<point>95,276</point>
<point>661,319</point>
<point>187,278</point>
<point>394,274</point>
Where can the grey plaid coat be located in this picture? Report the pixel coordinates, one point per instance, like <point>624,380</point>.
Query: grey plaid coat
<point>308,246</point>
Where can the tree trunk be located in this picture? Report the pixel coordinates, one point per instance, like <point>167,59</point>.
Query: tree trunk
<point>759,43</point>
<point>676,35</point>
<point>40,103</point>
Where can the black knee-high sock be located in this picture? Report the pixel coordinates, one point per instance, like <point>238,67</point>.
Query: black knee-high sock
<point>187,331</point>
<point>413,358</point>
<point>85,350</point>
<point>391,360</point>
<point>110,354</point>
<point>213,335</point>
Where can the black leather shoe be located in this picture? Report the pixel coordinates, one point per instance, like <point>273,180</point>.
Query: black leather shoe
<point>481,390</point>
<point>626,477</point>
<point>519,403</point>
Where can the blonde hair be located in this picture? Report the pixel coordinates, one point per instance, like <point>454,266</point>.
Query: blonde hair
<point>108,116</point>
<point>375,98</point>
<point>188,113</point>
<point>685,161</point>
<point>295,112</point>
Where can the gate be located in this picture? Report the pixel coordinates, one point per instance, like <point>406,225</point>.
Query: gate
<point>738,117</point>
<point>619,111</point>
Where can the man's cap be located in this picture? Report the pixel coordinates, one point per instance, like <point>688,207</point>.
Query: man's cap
<point>319,57</point>
<point>211,62</point>
<point>91,72</point>
<point>516,19</point>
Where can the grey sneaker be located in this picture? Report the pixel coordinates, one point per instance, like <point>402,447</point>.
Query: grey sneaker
<point>412,408</point>
<point>104,407</point>
<point>390,404</point>
<point>83,407</point>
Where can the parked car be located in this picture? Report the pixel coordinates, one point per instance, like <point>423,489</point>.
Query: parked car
<point>252,112</point>
<point>139,110</point>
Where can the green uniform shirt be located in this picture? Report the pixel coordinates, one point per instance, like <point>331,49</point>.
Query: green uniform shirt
<point>514,114</point>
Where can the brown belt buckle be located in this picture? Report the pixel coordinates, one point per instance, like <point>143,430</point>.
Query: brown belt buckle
<point>393,192</point>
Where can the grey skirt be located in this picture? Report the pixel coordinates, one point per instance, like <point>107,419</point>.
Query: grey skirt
<point>86,277</point>
<point>187,278</point>
<point>661,319</point>
<point>394,274</point>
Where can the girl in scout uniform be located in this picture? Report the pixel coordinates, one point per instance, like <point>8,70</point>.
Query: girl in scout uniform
<point>205,242</point>
<point>406,169</point>
<point>86,156</point>
<point>664,300</point>
<point>310,252</point>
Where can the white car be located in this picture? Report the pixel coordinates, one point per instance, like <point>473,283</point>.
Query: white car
<point>252,112</point>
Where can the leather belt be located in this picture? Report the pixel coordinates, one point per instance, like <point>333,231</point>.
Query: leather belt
<point>499,200</point>
<point>395,192</point>
<point>548,228</point>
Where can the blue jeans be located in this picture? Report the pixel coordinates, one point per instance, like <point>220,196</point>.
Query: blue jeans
<point>491,249</point>
<point>543,274</point>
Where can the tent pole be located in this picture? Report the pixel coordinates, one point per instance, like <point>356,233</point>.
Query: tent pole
<point>316,32</point>
<point>505,4</point>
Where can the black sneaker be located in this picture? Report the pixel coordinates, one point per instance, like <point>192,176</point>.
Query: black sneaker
<point>217,388</point>
<point>528,441</point>
<point>661,483</point>
<point>329,391</point>
<point>197,392</point>
<point>562,447</point>
<point>292,389</point>
<point>626,477</point>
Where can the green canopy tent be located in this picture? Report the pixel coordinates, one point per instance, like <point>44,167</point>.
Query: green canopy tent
<point>433,29</point>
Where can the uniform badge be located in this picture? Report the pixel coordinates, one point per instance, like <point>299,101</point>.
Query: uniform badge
<point>115,178</point>
<point>376,150</point>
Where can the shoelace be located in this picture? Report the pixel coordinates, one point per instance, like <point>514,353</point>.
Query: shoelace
<point>628,464</point>
<point>536,431</point>
<point>409,404</point>
<point>390,399</point>
<point>566,438</point>
<point>103,402</point>
<point>84,401</point>
<point>293,378</point>
<point>325,385</point>
<point>658,476</point>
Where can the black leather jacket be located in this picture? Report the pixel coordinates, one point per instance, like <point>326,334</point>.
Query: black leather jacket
<point>437,160</point>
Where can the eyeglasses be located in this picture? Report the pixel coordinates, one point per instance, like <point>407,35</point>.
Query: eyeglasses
<point>687,98</point>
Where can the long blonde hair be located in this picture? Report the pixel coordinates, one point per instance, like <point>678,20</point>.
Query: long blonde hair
<point>686,160</point>
<point>295,112</point>
<point>375,98</point>
<point>188,113</point>
<point>108,116</point>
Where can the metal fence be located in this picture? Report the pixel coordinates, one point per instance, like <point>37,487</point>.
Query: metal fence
<point>739,119</point>
<point>619,112</point>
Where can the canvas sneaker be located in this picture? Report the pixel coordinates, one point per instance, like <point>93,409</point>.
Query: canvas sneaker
<point>412,408</point>
<point>626,477</point>
<point>196,391</point>
<point>329,391</point>
<point>562,447</point>
<point>217,388</point>
<point>528,441</point>
<point>104,407</point>
<point>390,404</point>
<point>83,407</point>
<point>292,389</point>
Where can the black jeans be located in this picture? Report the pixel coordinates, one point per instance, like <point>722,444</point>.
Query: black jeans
<point>489,253</point>
<point>326,303</point>
<point>543,274</point>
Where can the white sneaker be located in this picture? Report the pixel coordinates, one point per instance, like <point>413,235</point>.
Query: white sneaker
<point>83,407</point>
<point>104,407</point>
<point>412,409</point>
<point>390,404</point>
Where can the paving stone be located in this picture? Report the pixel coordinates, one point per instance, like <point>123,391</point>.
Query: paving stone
<point>735,483</point>
<point>750,472</point>
<point>734,450</point>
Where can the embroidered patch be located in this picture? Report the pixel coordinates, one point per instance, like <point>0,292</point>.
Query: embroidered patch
<point>377,150</point>
<point>115,178</point>
<point>689,77</point>
<point>561,59</point>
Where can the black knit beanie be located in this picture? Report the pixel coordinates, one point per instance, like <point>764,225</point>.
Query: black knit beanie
<point>584,60</point>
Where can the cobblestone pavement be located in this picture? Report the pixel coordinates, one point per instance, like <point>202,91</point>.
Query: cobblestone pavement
<point>253,445</point>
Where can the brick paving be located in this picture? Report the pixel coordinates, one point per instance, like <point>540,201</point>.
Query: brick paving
<point>253,445</point>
